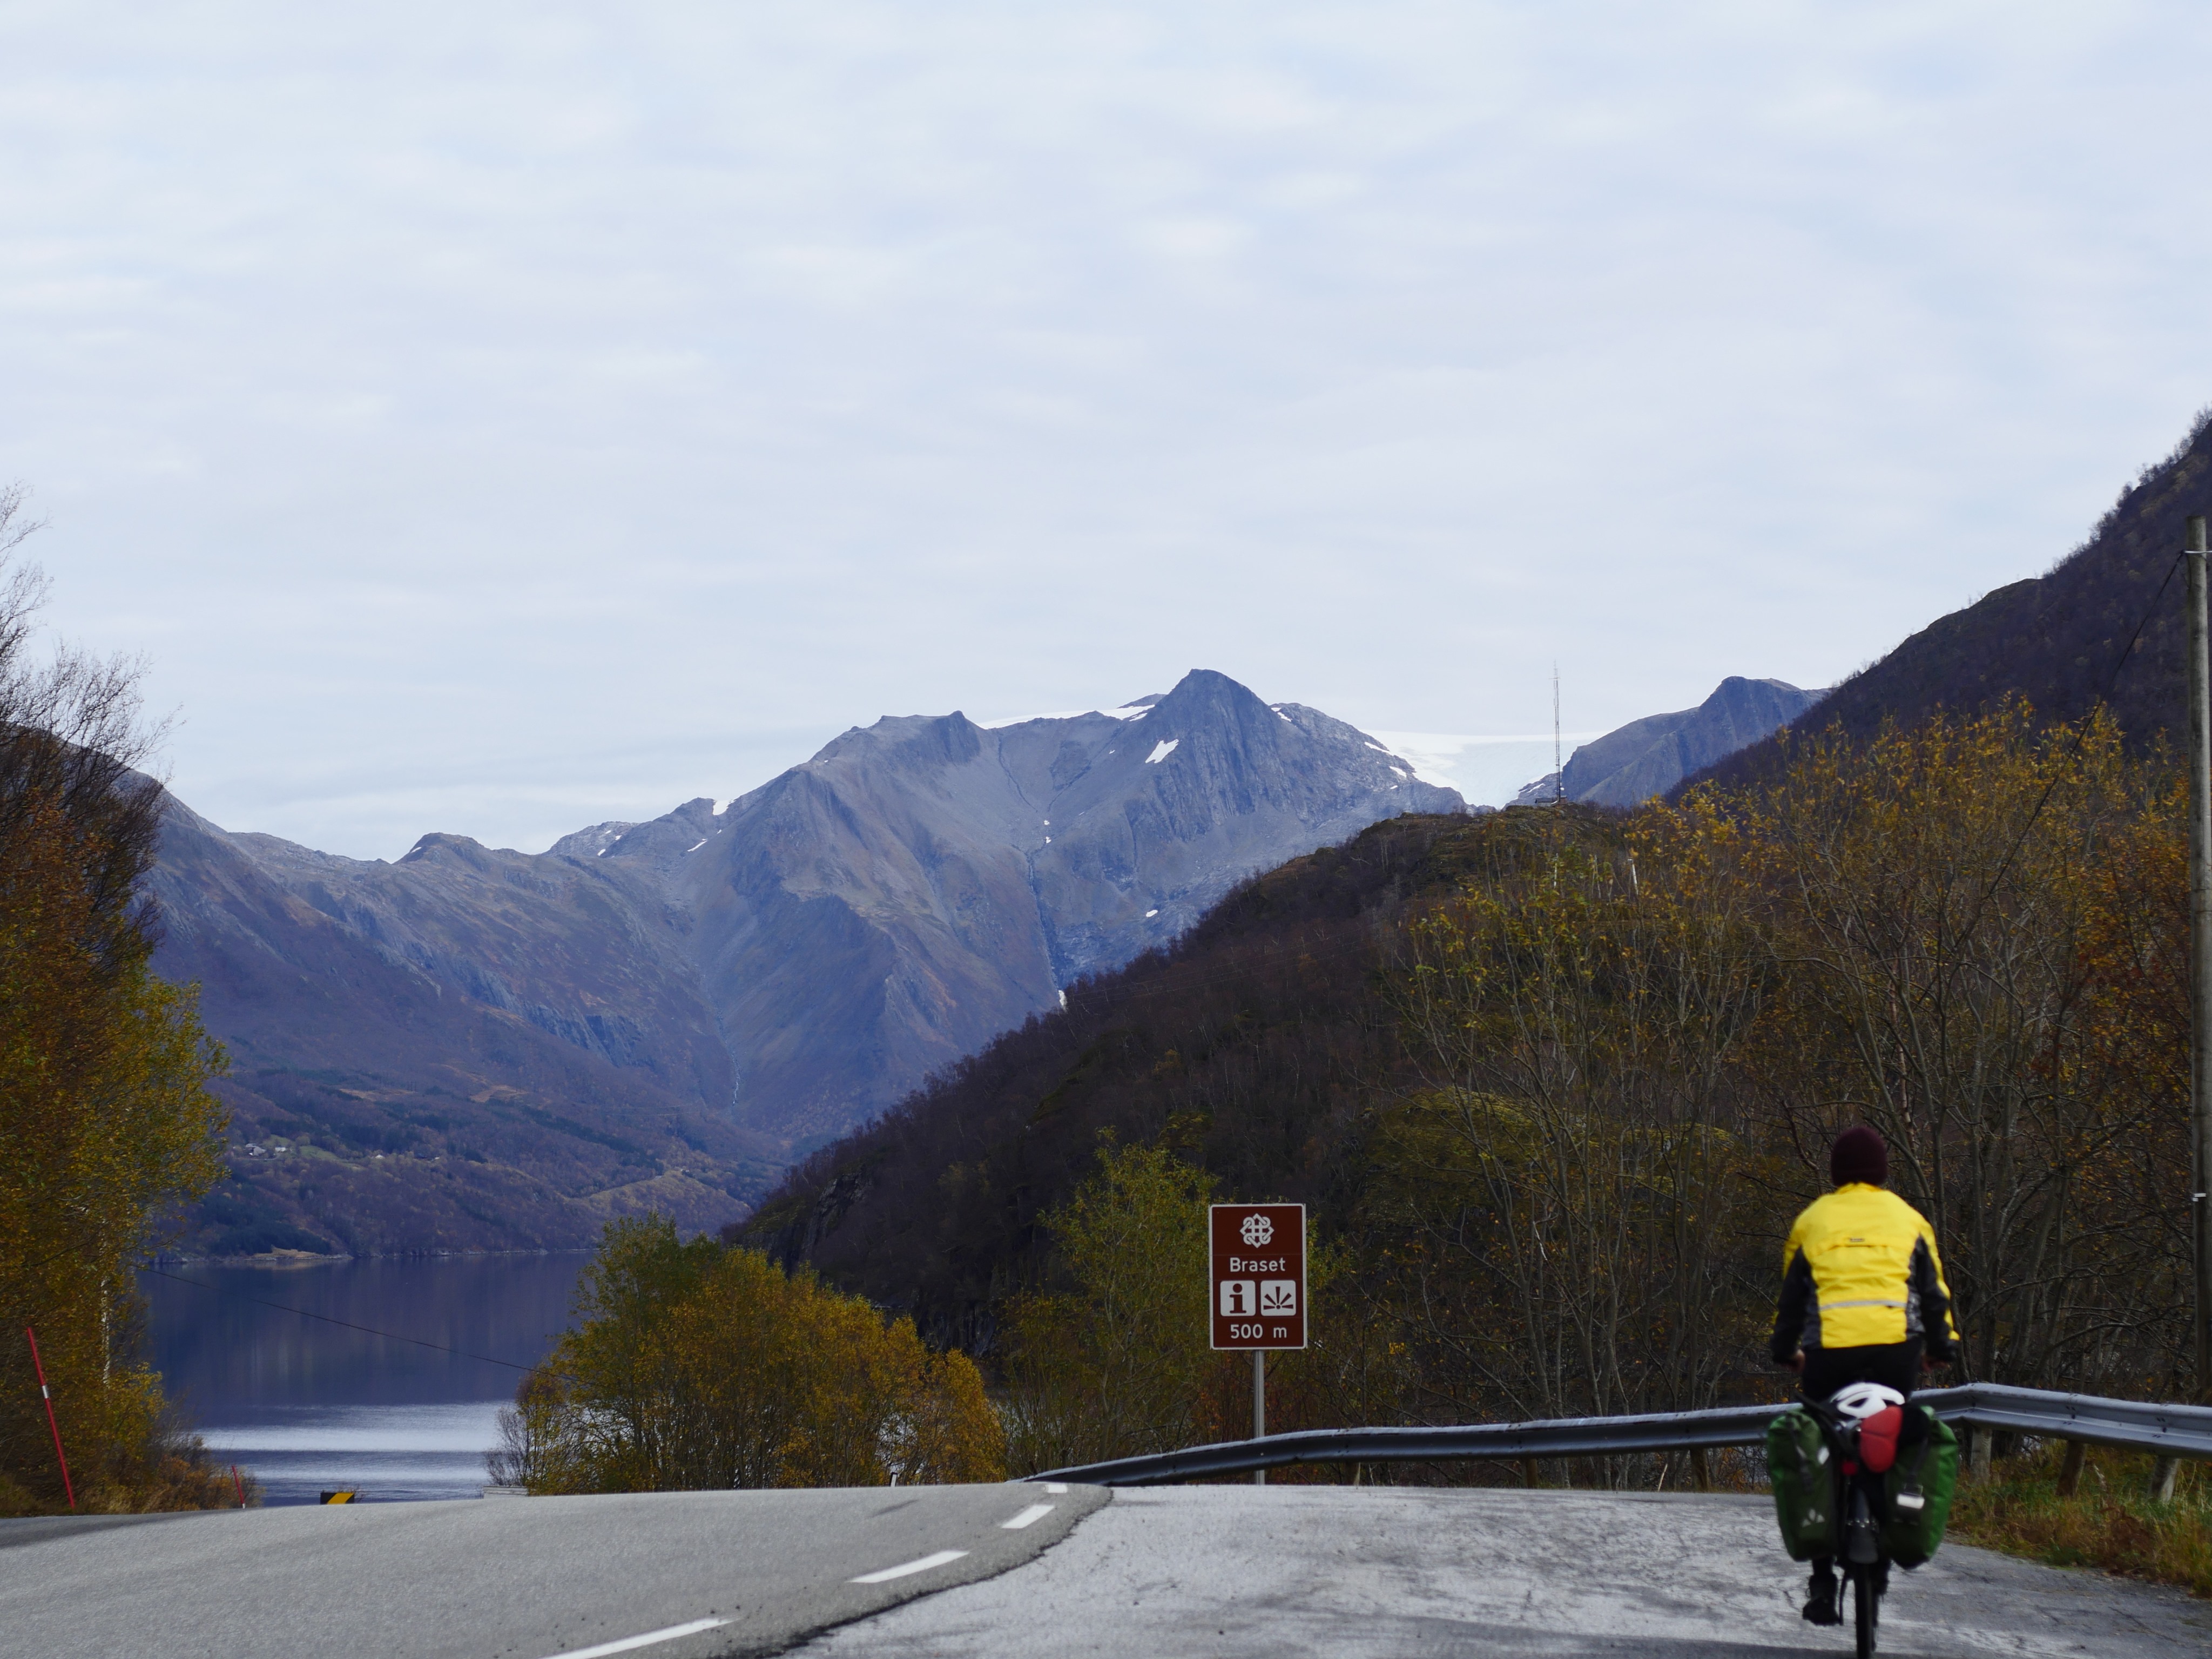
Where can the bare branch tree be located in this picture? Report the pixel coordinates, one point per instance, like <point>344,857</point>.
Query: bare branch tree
<point>73,736</point>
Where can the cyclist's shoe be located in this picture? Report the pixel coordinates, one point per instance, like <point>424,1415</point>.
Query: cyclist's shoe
<point>1820,1604</point>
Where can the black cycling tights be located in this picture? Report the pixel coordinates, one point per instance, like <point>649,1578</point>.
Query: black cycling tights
<point>1893,1364</point>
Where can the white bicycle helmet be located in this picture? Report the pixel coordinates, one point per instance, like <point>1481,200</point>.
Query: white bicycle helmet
<point>1863,1400</point>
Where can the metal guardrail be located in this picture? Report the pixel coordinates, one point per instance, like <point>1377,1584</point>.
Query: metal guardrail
<point>1573,1437</point>
<point>2169,1431</point>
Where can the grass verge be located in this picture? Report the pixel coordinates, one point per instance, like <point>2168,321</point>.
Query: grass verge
<point>2110,1522</point>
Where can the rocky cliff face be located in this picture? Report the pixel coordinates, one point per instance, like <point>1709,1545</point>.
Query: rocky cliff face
<point>1649,756</point>
<point>662,1013</point>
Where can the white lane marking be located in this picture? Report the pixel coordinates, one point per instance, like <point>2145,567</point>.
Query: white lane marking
<point>644,1641</point>
<point>1056,1489</point>
<point>922,1565</point>
<point>1030,1516</point>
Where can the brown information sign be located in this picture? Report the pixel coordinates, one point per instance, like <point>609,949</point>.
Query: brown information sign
<point>1259,1275</point>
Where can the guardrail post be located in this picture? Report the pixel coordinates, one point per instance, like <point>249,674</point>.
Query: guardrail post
<point>1978,1451</point>
<point>2069,1473</point>
<point>1699,1471</point>
<point>2161,1479</point>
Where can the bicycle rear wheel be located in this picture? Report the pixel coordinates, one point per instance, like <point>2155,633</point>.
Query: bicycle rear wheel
<point>1866,1605</point>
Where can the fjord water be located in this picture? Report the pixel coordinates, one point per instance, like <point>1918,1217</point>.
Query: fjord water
<point>309,1406</point>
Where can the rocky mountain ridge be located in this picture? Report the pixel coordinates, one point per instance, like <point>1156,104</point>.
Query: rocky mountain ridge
<point>664,1012</point>
<point>1647,757</point>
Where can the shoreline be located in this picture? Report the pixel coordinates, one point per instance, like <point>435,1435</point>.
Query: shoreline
<point>293,1259</point>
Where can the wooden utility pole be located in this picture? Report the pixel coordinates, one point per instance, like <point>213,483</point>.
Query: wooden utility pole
<point>2200,954</point>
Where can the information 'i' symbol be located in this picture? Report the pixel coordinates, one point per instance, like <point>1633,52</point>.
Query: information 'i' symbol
<point>1258,1230</point>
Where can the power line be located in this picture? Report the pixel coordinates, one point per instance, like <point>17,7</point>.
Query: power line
<point>392,1336</point>
<point>26,1268</point>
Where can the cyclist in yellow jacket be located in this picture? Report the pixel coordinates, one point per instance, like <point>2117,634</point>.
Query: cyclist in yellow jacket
<point>1863,1299</point>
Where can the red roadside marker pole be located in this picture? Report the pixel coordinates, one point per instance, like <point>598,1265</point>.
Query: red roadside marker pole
<point>47,1394</point>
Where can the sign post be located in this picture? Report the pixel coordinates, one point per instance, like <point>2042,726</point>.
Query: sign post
<point>1258,1288</point>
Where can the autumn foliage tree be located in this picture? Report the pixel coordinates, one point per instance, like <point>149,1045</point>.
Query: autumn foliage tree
<point>697,1366</point>
<point>105,1117</point>
<point>1112,1355</point>
<point>1639,1033</point>
<point>1109,1362</point>
<point>1972,928</point>
<point>2134,1056</point>
<point>1564,1199</point>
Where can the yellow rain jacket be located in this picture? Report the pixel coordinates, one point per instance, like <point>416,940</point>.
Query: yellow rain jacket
<point>1860,1270</point>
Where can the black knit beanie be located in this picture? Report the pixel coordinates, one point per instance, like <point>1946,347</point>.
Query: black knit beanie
<point>1859,1155</point>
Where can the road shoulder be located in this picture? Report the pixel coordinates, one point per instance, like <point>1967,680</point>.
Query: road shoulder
<point>1354,1572</point>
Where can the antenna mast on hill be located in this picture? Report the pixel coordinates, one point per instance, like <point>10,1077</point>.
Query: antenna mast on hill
<point>1559,765</point>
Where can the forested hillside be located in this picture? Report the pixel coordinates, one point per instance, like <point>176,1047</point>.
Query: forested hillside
<point>1251,1046</point>
<point>1555,1082</point>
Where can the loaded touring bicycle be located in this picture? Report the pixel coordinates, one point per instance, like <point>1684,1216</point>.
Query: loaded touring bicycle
<point>1863,1479</point>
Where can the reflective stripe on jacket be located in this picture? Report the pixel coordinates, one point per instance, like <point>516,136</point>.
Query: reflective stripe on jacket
<point>1861,1269</point>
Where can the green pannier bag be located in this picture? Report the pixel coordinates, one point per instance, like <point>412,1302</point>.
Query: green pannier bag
<point>1909,1537</point>
<point>1804,1472</point>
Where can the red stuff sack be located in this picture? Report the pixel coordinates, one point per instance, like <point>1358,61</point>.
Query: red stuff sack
<point>1878,1438</point>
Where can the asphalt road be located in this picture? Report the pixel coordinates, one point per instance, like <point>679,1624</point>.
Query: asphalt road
<point>507,1578</point>
<point>1231,1572</point>
<point>1236,1573</point>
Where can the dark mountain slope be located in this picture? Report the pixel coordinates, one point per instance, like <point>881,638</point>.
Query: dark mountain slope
<point>2055,640</point>
<point>1253,1044</point>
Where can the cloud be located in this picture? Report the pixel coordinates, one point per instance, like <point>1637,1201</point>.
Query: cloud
<point>533,415</point>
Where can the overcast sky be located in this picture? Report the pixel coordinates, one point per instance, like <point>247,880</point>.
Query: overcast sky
<point>498,418</point>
